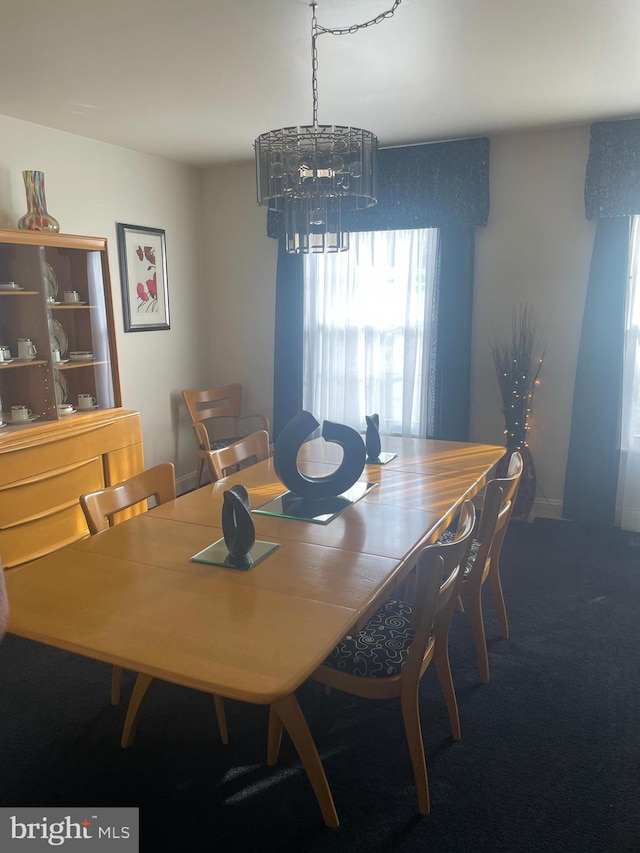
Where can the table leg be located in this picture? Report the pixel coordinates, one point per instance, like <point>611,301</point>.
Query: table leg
<point>294,722</point>
<point>133,711</point>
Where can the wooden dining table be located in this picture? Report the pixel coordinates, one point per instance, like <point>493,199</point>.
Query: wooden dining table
<point>132,596</point>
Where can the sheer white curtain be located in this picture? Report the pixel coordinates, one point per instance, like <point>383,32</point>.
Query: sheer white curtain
<point>628,498</point>
<point>367,315</point>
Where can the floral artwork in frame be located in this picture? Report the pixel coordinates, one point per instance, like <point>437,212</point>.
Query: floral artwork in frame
<point>143,273</point>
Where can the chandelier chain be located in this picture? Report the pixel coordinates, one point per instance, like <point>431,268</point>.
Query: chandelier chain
<point>317,30</point>
<point>344,31</point>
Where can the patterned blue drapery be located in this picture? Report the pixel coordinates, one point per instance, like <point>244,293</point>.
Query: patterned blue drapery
<point>612,183</point>
<point>435,185</point>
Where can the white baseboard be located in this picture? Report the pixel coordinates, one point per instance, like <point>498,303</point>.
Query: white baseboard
<point>545,508</point>
<point>186,483</point>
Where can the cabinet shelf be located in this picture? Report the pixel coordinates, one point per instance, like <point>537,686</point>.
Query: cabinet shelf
<point>46,265</point>
<point>63,306</point>
<point>74,365</point>
<point>16,365</point>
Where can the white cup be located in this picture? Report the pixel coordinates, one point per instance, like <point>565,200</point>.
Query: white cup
<point>71,296</point>
<point>6,353</point>
<point>55,354</point>
<point>20,413</point>
<point>86,401</point>
<point>1,354</point>
<point>26,348</point>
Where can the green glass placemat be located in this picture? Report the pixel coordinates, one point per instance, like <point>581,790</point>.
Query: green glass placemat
<point>382,459</point>
<point>216,554</point>
<point>289,505</point>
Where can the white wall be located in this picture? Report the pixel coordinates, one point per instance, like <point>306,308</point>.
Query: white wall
<point>89,187</point>
<point>535,250</point>
<point>240,273</point>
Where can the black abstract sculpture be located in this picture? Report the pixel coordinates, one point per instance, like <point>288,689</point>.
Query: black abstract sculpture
<point>372,438</point>
<point>237,526</point>
<point>285,458</point>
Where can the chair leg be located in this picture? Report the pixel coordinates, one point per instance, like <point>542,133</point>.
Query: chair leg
<point>480,640</point>
<point>116,680</point>
<point>274,737</point>
<point>293,720</point>
<point>199,473</point>
<point>443,669</point>
<point>133,711</point>
<point>221,717</point>
<point>498,597</point>
<point>411,717</point>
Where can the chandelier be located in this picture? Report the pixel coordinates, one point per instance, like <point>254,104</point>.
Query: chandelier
<point>315,174</point>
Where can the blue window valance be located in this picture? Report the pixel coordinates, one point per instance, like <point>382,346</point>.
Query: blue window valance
<point>612,183</point>
<point>435,185</point>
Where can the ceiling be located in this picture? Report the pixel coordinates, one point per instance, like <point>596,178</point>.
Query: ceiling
<point>196,81</point>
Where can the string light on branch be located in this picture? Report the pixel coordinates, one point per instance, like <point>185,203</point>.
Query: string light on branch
<point>517,371</point>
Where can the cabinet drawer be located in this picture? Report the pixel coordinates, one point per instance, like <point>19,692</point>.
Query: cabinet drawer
<point>30,499</point>
<point>75,444</point>
<point>35,537</point>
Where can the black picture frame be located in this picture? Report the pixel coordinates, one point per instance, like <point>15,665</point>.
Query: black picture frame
<point>143,277</point>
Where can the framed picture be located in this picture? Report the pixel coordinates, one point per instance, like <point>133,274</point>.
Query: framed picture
<point>143,273</point>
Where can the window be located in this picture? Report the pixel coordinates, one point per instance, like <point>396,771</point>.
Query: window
<point>628,502</point>
<point>367,340</point>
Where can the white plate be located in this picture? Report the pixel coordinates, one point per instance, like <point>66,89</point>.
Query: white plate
<point>62,388</point>
<point>59,337</point>
<point>3,424</point>
<point>50,280</point>
<point>10,285</point>
<point>73,357</point>
<point>6,361</point>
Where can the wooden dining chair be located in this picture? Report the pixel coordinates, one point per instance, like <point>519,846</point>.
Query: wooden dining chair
<point>207,408</point>
<point>389,656</point>
<point>484,560</point>
<point>100,508</point>
<point>250,449</point>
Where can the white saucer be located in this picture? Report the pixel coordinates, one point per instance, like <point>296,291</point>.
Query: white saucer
<point>70,411</point>
<point>81,357</point>
<point>21,421</point>
<point>88,408</point>
<point>6,361</point>
<point>60,361</point>
<point>10,285</point>
<point>3,424</point>
<point>68,303</point>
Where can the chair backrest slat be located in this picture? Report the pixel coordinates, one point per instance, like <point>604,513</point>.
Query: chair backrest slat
<point>99,507</point>
<point>222,402</point>
<point>497,508</point>
<point>446,561</point>
<point>252,448</point>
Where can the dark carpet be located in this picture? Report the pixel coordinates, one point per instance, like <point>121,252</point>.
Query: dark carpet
<point>549,758</point>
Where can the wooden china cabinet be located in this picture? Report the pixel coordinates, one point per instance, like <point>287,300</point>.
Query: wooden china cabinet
<point>60,451</point>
